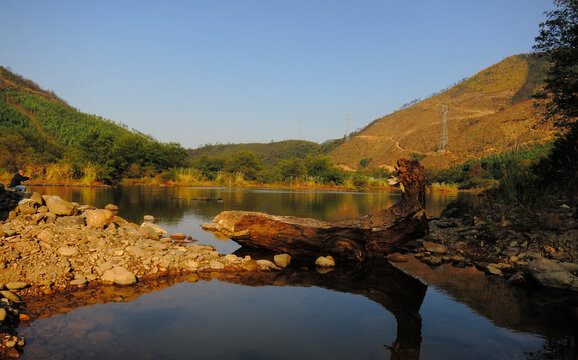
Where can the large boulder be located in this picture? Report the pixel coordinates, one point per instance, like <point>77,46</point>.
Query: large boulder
<point>119,276</point>
<point>60,207</point>
<point>155,228</point>
<point>551,274</point>
<point>98,218</point>
<point>28,206</point>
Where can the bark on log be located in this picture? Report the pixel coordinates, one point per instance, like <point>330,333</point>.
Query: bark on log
<point>371,236</point>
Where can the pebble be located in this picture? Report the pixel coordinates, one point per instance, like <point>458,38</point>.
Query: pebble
<point>16,285</point>
<point>397,258</point>
<point>282,260</point>
<point>325,261</point>
<point>10,296</point>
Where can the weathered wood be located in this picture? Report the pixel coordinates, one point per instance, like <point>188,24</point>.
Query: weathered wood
<point>371,236</point>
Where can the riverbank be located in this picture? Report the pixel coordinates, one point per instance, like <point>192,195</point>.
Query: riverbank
<point>525,246</point>
<point>446,231</point>
<point>50,245</point>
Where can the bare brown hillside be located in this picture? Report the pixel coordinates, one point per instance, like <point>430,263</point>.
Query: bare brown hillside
<point>488,113</point>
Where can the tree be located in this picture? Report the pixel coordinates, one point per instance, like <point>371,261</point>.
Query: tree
<point>558,39</point>
<point>246,163</point>
<point>288,169</point>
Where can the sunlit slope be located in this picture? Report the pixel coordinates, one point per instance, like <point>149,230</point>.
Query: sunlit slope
<point>488,113</point>
<point>25,107</point>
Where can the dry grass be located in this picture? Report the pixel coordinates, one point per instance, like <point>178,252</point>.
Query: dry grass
<point>482,120</point>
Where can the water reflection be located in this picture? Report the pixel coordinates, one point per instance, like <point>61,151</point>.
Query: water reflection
<point>397,292</point>
<point>299,313</point>
<point>172,204</point>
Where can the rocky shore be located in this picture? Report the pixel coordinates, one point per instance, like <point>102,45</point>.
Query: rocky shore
<point>525,246</point>
<point>50,245</point>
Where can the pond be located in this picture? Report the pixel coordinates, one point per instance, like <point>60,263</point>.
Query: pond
<point>374,311</point>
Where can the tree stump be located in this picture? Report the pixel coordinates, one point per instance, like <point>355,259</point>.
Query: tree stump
<point>371,236</point>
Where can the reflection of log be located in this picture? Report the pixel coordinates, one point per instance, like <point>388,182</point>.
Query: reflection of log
<point>397,292</point>
<point>371,236</point>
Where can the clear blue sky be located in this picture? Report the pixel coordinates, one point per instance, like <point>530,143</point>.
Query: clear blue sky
<point>210,71</point>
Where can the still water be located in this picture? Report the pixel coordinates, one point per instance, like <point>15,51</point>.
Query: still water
<point>375,311</point>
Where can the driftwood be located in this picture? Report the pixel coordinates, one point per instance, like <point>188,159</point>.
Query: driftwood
<point>371,236</point>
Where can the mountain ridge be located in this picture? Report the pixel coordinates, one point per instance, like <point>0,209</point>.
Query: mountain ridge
<point>489,112</point>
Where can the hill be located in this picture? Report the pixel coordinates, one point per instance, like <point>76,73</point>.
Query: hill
<point>39,128</point>
<point>488,113</point>
<point>271,153</point>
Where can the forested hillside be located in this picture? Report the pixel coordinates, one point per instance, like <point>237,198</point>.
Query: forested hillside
<point>488,113</point>
<point>271,153</point>
<point>38,129</point>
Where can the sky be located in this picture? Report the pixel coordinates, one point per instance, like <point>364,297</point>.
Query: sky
<point>238,71</point>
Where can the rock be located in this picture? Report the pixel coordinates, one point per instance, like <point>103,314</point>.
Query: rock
<point>560,255</point>
<point>552,274</point>
<point>37,197</point>
<point>572,267</point>
<point>70,221</point>
<point>119,276</point>
<point>98,218</point>
<point>45,236</point>
<point>511,251</point>
<point>157,229</point>
<point>112,208</point>
<point>19,285</point>
<point>60,207</point>
<point>267,265</point>
<point>148,232</point>
<point>10,295</point>
<point>432,260</point>
<point>282,260</point>
<point>457,258</point>
<point>434,247</point>
<point>149,218</point>
<point>135,251</point>
<point>397,258</point>
<point>325,261</point>
<point>251,265</point>
<point>178,236</point>
<point>78,281</point>
<point>28,206</point>
<point>493,269</point>
<point>216,265</point>
<point>68,251</point>
<point>210,227</point>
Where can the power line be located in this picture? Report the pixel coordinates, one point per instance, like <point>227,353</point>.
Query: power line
<point>444,135</point>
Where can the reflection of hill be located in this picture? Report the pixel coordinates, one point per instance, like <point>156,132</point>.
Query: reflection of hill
<point>519,309</point>
<point>170,205</point>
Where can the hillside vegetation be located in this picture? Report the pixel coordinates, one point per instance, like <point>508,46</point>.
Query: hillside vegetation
<point>488,113</point>
<point>42,133</point>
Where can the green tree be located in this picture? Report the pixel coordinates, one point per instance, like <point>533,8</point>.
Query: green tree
<point>246,163</point>
<point>291,169</point>
<point>210,166</point>
<point>558,39</point>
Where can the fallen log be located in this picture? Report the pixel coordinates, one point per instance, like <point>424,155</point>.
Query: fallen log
<point>371,236</point>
